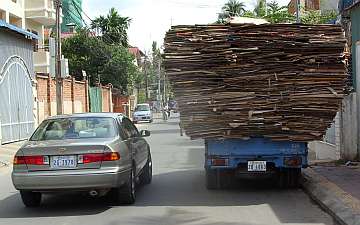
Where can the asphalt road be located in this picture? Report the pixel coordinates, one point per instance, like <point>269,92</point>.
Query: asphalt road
<point>176,196</point>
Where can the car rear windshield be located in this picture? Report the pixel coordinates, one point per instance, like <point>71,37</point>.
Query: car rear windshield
<point>75,128</point>
<point>142,108</point>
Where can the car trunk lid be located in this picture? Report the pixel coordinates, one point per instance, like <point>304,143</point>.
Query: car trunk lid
<point>63,154</point>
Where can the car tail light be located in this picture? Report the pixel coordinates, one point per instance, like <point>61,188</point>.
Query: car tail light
<point>31,160</point>
<point>111,156</point>
<point>98,157</point>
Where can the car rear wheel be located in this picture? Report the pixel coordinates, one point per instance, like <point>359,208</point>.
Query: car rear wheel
<point>146,176</point>
<point>126,193</point>
<point>31,199</point>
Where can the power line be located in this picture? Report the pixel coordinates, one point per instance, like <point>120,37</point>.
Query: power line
<point>109,39</point>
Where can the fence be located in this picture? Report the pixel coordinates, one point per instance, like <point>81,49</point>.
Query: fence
<point>76,97</point>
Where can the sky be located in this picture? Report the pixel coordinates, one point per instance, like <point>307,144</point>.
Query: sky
<point>152,18</point>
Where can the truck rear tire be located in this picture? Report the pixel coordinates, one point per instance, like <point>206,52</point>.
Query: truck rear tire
<point>289,178</point>
<point>295,174</point>
<point>212,181</point>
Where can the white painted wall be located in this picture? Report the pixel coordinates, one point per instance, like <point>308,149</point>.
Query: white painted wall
<point>349,127</point>
<point>16,9</point>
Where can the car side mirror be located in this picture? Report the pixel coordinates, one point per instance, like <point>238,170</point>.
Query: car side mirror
<point>144,133</point>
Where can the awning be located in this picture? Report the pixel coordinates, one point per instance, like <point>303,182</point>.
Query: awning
<point>27,34</point>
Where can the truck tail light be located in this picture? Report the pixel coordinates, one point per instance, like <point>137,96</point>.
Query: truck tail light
<point>31,160</point>
<point>98,157</point>
<point>219,162</point>
<point>293,161</point>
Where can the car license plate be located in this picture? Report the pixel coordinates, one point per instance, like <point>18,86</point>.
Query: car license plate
<point>63,162</point>
<point>256,166</point>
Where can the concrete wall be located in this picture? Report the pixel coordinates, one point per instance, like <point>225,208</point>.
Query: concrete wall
<point>329,148</point>
<point>349,128</point>
<point>323,150</point>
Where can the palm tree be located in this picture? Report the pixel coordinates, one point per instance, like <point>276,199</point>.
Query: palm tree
<point>230,9</point>
<point>233,8</point>
<point>260,8</point>
<point>113,27</point>
<point>273,7</point>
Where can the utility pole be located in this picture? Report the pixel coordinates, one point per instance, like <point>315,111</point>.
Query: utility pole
<point>159,83</point>
<point>59,105</point>
<point>146,79</point>
<point>165,99</point>
<point>297,11</point>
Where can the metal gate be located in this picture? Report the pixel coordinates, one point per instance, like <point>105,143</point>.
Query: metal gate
<point>95,99</point>
<point>16,101</point>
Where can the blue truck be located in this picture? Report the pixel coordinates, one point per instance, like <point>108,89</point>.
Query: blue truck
<point>254,158</point>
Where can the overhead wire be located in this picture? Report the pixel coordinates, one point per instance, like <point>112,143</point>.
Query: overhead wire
<point>107,38</point>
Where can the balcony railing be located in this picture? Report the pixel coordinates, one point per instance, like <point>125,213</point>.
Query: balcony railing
<point>41,11</point>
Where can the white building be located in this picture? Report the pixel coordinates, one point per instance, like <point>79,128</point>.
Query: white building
<point>33,16</point>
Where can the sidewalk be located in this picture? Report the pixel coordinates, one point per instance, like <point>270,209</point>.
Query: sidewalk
<point>336,188</point>
<point>7,153</point>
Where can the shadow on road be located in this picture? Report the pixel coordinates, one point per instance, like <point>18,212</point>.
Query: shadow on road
<point>180,188</point>
<point>53,206</point>
<point>187,188</point>
<point>175,216</point>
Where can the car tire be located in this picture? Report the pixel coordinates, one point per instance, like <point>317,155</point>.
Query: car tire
<point>211,179</point>
<point>146,176</point>
<point>135,122</point>
<point>150,121</point>
<point>31,199</point>
<point>126,193</point>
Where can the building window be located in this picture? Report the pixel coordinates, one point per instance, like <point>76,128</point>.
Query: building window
<point>14,20</point>
<point>2,15</point>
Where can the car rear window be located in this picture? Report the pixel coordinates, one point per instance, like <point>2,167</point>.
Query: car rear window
<point>75,128</point>
<point>142,108</point>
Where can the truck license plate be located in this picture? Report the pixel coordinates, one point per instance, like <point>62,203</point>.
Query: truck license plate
<point>63,162</point>
<point>256,166</point>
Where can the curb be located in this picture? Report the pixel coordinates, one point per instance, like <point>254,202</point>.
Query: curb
<point>341,205</point>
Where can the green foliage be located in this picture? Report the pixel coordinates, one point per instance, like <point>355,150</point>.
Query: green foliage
<point>316,17</point>
<point>249,14</point>
<point>120,70</point>
<point>277,14</point>
<point>102,62</point>
<point>85,53</point>
<point>260,9</point>
<point>142,97</point>
<point>274,13</point>
<point>230,9</point>
<point>113,28</point>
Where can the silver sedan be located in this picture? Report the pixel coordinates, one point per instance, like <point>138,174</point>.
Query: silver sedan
<point>98,153</point>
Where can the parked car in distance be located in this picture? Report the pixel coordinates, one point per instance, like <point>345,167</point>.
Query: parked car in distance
<point>98,153</point>
<point>142,113</point>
